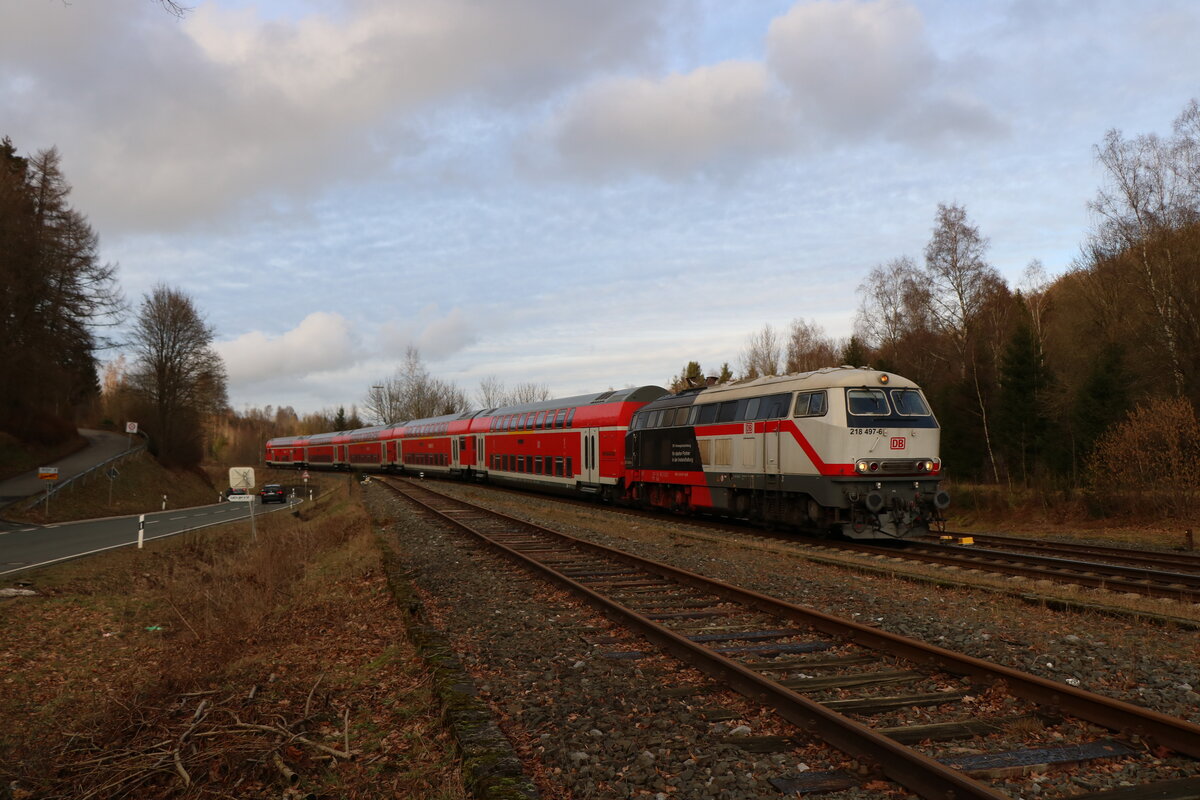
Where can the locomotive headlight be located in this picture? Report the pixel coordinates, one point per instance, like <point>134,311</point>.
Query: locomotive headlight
<point>861,466</point>
<point>883,378</point>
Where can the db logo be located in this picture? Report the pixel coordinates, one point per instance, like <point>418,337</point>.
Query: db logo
<point>897,442</point>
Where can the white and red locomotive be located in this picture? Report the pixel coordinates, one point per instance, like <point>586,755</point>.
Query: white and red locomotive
<point>845,451</point>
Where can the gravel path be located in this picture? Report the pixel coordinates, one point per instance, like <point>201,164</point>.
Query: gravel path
<point>592,726</point>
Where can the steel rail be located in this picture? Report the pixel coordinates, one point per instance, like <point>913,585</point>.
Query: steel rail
<point>1186,590</point>
<point>1177,559</point>
<point>1167,731</point>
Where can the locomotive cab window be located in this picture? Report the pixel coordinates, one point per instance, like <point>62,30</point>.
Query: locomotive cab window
<point>909,403</point>
<point>707,414</point>
<point>867,402</point>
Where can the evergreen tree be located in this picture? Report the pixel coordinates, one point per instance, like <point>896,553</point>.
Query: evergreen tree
<point>855,352</point>
<point>1021,416</point>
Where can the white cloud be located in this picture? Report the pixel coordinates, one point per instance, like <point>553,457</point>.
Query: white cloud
<point>180,122</point>
<point>436,336</point>
<point>321,342</point>
<point>866,69</point>
<point>833,69</point>
<point>711,117</point>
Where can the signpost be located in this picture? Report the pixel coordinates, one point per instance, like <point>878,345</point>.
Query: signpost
<point>243,478</point>
<point>130,430</point>
<point>48,474</point>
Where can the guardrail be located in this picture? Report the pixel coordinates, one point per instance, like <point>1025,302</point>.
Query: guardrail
<point>82,477</point>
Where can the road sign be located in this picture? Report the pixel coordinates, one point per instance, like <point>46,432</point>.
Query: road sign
<point>48,473</point>
<point>241,477</point>
<point>131,427</point>
<point>242,498</point>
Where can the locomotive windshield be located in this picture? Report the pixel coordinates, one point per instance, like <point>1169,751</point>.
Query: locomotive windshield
<point>909,403</point>
<point>867,402</point>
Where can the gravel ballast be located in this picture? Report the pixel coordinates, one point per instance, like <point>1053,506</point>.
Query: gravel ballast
<point>589,725</point>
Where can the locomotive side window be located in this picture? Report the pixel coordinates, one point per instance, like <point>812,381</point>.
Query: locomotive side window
<point>774,407</point>
<point>727,411</point>
<point>707,414</point>
<point>693,415</point>
<point>751,410</point>
<point>909,402</point>
<point>810,404</point>
<point>867,402</point>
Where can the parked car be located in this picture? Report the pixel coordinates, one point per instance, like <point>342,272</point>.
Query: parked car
<point>272,493</point>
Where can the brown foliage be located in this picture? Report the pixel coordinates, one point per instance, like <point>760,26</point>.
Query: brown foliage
<point>1151,461</point>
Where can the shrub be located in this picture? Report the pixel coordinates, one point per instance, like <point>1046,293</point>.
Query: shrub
<point>1150,462</point>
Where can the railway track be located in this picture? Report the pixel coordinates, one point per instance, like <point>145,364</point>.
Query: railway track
<point>1177,561</point>
<point>891,702</point>
<point>1169,576</point>
<point>1183,587</point>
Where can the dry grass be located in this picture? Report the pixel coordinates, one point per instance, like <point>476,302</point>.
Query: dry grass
<point>211,665</point>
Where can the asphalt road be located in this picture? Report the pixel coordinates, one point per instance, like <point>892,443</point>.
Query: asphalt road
<point>30,547</point>
<point>102,445</point>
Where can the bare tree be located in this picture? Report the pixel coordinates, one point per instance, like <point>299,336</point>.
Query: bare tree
<point>761,356</point>
<point>493,393</point>
<point>961,285</point>
<point>808,348</point>
<point>1152,191</point>
<point>895,303</point>
<point>177,373</point>
<point>412,393</point>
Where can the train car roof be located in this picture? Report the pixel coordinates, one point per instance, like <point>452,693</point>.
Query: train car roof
<point>631,394</point>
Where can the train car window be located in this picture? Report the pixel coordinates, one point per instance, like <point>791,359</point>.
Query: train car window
<point>909,403</point>
<point>742,405</point>
<point>693,415</point>
<point>655,420</point>
<point>751,411</point>
<point>558,466</point>
<point>727,411</point>
<point>570,417</point>
<point>537,465</point>
<point>639,421</point>
<point>707,414</point>
<point>867,402</point>
<point>560,418</point>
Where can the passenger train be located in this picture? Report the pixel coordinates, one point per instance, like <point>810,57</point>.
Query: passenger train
<point>839,451</point>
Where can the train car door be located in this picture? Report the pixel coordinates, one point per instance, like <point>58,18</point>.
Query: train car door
<point>454,452</point>
<point>480,460</point>
<point>591,456</point>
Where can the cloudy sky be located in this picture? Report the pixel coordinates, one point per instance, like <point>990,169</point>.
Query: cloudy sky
<point>569,192</point>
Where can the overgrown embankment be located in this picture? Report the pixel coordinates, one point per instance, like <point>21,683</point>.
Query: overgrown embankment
<point>217,664</point>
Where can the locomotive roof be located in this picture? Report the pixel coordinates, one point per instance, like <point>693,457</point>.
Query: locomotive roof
<point>827,378</point>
